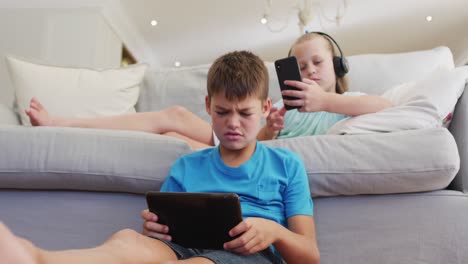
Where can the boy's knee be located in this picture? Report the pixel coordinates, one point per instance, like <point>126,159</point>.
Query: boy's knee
<point>177,111</point>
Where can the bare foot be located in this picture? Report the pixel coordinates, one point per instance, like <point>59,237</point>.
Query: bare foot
<point>14,250</point>
<point>38,115</point>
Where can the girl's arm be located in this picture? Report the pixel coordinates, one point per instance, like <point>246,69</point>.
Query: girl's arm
<point>354,105</point>
<point>312,98</point>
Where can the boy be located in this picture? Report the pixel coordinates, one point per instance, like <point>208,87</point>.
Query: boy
<point>272,184</point>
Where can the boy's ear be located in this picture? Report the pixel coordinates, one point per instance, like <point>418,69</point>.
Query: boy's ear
<point>208,105</point>
<point>266,107</point>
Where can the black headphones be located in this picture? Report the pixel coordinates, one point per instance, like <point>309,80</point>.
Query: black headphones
<point>340,63</point>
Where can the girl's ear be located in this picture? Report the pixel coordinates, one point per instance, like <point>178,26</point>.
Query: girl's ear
<point>266,107</point>
<point>208,105</point>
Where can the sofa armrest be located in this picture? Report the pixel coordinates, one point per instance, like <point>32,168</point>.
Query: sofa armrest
<point>459,129</point>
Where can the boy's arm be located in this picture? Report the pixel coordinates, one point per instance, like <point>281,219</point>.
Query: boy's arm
<point>355,105</point>
<point>298,243</point>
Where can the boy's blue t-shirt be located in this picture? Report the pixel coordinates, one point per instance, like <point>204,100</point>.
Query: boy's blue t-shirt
<point>272,184</point>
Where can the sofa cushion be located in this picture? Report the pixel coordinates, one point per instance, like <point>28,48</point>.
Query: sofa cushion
<point>442,89</point>
<point>8,116</point>
<point>76,92</point>
<point>85,159</point>
<point>417,113</point>
<point>399,162</point>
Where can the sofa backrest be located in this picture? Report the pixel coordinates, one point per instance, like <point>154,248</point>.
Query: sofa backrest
<point>186,86</point>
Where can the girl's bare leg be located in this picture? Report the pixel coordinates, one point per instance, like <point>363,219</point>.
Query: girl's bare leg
<point>173,121</point>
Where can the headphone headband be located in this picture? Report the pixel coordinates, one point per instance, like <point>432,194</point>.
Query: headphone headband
<point>329,37</point>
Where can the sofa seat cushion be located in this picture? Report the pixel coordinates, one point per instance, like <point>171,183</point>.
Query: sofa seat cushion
<point>85,159</point>
<point>382,163</point>
<point>136,162</point>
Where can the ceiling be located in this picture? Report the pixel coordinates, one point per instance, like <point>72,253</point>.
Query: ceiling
<point>196,32</point>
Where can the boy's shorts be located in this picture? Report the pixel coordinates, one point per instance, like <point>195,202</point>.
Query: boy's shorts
<point>224,257</point>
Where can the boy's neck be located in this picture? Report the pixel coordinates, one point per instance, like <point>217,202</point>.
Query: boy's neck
<point>235,158</point>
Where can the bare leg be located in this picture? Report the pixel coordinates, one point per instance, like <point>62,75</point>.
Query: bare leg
<point>195,145</point>
<point>126,246</point>
<point>14,250</point>
<point>172,121</point>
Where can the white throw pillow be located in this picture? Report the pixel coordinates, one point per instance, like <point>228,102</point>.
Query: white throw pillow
<point>417,113</point>
<point>76,92</point>
<point>442,89</point>
<point>375,73</point>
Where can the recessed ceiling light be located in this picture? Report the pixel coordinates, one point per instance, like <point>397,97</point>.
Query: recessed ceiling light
<point>154,22</point>
<point>429,18</point>
<point>264,20</point>
<point>177,63</point>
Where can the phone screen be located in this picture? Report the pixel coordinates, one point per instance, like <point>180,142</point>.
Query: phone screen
<point>288,69</point>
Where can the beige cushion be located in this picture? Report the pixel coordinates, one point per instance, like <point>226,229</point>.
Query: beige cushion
<point>76,92</point>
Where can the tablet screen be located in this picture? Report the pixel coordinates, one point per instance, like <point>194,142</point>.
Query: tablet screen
<point>197,220</point>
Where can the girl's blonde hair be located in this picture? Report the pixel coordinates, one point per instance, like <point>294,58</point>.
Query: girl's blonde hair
<point>341,82</point>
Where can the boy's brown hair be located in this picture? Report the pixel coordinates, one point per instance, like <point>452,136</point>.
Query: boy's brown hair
<point>238,74</point>
<point>341,82</point>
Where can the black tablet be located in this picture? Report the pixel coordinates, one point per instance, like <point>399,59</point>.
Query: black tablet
<point>197,220</point>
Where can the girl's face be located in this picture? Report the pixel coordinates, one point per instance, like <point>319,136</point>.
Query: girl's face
<point>316,62</point>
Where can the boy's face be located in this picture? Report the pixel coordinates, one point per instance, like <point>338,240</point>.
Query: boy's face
<point>236,123</point>
<point>316,62</point>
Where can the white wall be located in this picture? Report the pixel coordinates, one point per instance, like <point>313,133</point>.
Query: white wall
<point>78,37</point>
<point>460,51</point>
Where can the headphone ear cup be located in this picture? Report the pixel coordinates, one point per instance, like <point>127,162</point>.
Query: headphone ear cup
<point>340,64</point>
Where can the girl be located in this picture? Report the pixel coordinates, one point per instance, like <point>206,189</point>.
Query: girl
<point>322,97</point>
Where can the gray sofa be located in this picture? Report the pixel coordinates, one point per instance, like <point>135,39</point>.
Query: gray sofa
<point>379,198</point>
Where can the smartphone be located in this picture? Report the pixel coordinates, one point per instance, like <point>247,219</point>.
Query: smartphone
<point>288,69</point>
